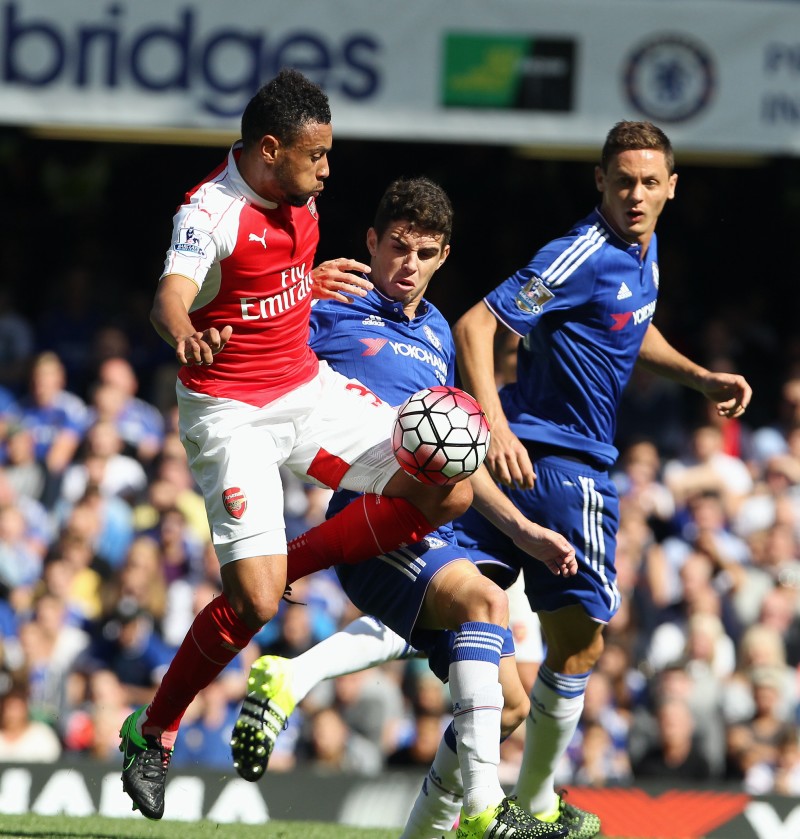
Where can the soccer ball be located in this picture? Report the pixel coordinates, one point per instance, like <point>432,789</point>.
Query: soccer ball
<point>441,435</point>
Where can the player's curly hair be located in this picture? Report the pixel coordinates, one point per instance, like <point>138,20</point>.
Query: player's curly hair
<point>629,136</point>
<point>419,201</point>
<point>282,107</point>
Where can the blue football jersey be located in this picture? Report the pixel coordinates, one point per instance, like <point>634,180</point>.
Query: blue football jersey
<point>372,340</point>
<point>582,306</point>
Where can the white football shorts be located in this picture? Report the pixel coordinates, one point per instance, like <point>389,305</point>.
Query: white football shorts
<point>332,431</point>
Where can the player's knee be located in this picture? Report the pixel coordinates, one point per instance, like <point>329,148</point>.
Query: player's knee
<point>256,608</point>
<point>485,601</point>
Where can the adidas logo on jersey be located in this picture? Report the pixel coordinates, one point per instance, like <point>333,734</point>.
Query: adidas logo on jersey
<point>624,292</point>
<point>373,320</point>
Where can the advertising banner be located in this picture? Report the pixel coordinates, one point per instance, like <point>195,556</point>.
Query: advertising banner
<point>649,812</point>
<point>721,77</point>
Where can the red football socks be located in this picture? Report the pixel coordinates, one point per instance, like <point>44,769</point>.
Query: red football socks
<point>369,526</point>
<point>213,640</point>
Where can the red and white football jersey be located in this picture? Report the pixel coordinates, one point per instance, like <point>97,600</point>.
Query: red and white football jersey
<point>251,260</point>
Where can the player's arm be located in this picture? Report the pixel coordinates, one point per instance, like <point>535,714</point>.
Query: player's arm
<point>541,543</point>
<point>474,334</point>
<point>334,280</point>
<point>729,391</point>
<point>170,318</point>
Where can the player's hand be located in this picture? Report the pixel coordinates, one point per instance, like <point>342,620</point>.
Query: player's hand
<point>548,547</point>
<point>201,347</point>
<point>508,459</point>
<point>332,280</point>
<point>730,391</point>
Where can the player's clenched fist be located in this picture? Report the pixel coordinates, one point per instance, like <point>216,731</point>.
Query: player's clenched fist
<point>201,347</point>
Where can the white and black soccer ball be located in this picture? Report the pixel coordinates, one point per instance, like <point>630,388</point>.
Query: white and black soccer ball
<point>441,435</point>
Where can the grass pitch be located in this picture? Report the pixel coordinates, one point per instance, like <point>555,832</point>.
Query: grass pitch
<point>98,827</point>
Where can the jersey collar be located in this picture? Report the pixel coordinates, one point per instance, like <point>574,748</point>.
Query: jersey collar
<point>395,307</point>
<point>631,247</point>
<point>238,182</point>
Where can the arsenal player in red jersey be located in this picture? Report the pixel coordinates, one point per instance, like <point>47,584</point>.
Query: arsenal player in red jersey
<point>234,301</point>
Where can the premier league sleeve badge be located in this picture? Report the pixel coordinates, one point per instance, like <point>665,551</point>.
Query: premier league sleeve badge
<point>533,296</point>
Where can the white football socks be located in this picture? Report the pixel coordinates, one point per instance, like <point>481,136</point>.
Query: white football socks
<point>552,723</point>
<point>438,803</point>
<point>477,706</point>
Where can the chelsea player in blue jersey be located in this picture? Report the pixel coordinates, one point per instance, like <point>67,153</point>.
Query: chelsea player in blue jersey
<point>396,343</point>
<point>583,307</point>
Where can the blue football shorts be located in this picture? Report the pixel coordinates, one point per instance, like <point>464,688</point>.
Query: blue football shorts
<point>577,501</point>
<point>392,587</point>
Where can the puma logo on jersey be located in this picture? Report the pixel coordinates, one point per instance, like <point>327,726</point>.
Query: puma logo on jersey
<point>262,238</point>
<point>624,292</point>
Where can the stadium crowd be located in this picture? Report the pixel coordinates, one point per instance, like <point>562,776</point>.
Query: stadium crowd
<point>105,559</point>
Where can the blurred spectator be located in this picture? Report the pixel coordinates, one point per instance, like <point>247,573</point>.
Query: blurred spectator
<point>330,746</point>
<point>708,469</point>
<point>677,757</point>
<point>22,470</point>
<point>20,562</point>
<point>127,644</point>
<point>420,750</point>
<point>185,597</point>
<point>775,562</point>
<point>56,418</point>
<point>22,739</point>
<point>105,522</point>
<point>639,484</point>
<point>755,744</point>
<point>705,531</point>
<point>761,649</point>
<point>669,640</point>
<point>180,551</point>
<point>787,772</point>
<point>172,485</point>
<point>771,439</point>
<point>601,763</point>
<point>51,645</point>
<point>371,703</point>
<point>206,729</point>
<point>139,581</point>
<point>140,424</point>
<point>105,466</point>
<point>775,496</point>
<point>93,725</point>
<point>605,759</point>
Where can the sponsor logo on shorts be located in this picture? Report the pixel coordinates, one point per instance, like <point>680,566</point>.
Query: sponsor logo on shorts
<point>235,502</point>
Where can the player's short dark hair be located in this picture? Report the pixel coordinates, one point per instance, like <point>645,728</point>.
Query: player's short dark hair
<point>629,136</point>
<point>419,201</point>
<point>282,107</point>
